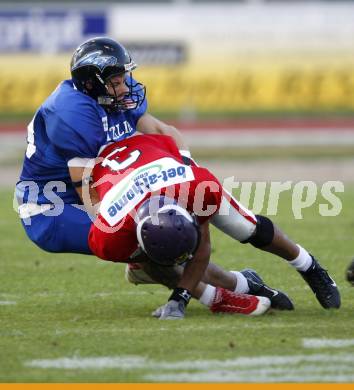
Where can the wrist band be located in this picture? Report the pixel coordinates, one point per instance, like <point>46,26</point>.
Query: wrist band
<point>180,294</point>
<point>84,182</point>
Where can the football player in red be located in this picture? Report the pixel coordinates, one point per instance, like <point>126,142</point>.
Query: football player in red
<point>152,202</point>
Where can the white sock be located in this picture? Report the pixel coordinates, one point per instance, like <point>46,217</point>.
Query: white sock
<point>208,295</point>
<point>303,261</point>
<point>241,283</point>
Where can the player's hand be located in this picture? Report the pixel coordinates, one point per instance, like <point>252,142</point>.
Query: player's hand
<point>172,310</point>
<point>157,313</point>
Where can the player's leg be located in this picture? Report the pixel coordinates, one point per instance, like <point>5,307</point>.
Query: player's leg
<point>246,282</point>
<point>63,233</point>
<point>135,274</point>
<point>233,219</point>
<point>268,237</point>
<point>242,225</point>
<point>219,298</point>
<point>148,272</point>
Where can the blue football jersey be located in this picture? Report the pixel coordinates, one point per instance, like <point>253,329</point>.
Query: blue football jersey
<point>68,124</point>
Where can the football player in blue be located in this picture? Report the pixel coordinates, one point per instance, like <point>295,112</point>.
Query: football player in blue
<point>102,103</point>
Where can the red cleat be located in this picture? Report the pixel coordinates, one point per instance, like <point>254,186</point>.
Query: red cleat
<point>226,301</point>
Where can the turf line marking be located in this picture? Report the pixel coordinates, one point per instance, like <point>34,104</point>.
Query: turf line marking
<point>271,369</point>
<point>132,362</point>
<point>327,343</point>
<point>260,361</point>
<point>229,377</point>
<point>89,363</point>
<point>313,368</point>
<point>8,303</point>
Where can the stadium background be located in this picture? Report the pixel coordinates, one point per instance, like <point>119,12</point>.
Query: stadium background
<point>262,90</point>
<point>260,78</point>
<point>196,58</point>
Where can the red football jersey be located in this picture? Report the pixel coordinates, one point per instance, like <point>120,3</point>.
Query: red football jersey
<point>121,158</point>
<point>130,171</point>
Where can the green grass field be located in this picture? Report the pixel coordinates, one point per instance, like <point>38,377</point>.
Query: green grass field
<point>72,318</point>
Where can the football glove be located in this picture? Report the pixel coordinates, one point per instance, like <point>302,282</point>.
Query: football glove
<point>175,307</point>
<point>172,310</point>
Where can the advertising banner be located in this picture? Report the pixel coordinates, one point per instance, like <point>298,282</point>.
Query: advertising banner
<point>48,31</point>
<point>220,58</point>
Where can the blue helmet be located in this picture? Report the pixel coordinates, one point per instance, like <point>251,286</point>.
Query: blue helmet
<point>94,62</point>
<point>166,232</point>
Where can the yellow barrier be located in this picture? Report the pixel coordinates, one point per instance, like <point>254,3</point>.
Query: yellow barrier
<point>26,81</point>
<point>238,88</point>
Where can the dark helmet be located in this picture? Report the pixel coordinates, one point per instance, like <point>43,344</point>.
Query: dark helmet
<point>94,62</point>
<point>166,232</point>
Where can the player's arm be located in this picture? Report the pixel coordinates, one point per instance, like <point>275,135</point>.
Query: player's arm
<point>192,275</point>
<point>148,124</point>
<point>195,268</point>
<point>81,180</point>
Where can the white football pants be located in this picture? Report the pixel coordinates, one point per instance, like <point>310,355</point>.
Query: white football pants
<point>233,219</point>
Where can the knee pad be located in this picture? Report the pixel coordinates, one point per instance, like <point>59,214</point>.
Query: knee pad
<point>264,233</point>
<point>136,275</point>
<point>151,273</point>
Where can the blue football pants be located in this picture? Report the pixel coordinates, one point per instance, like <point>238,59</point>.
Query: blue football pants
<point>65,233</point>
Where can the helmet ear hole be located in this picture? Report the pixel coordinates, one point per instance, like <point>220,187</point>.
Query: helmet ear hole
<point>88,85</point>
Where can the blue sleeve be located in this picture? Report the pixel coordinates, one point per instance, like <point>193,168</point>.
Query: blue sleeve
<point>76,131</point>
<point>136,114</point>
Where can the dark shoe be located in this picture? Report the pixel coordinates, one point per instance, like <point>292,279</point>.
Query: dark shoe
<point>322,285</point>
<point>278,299</point>
<point>350,273</point>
